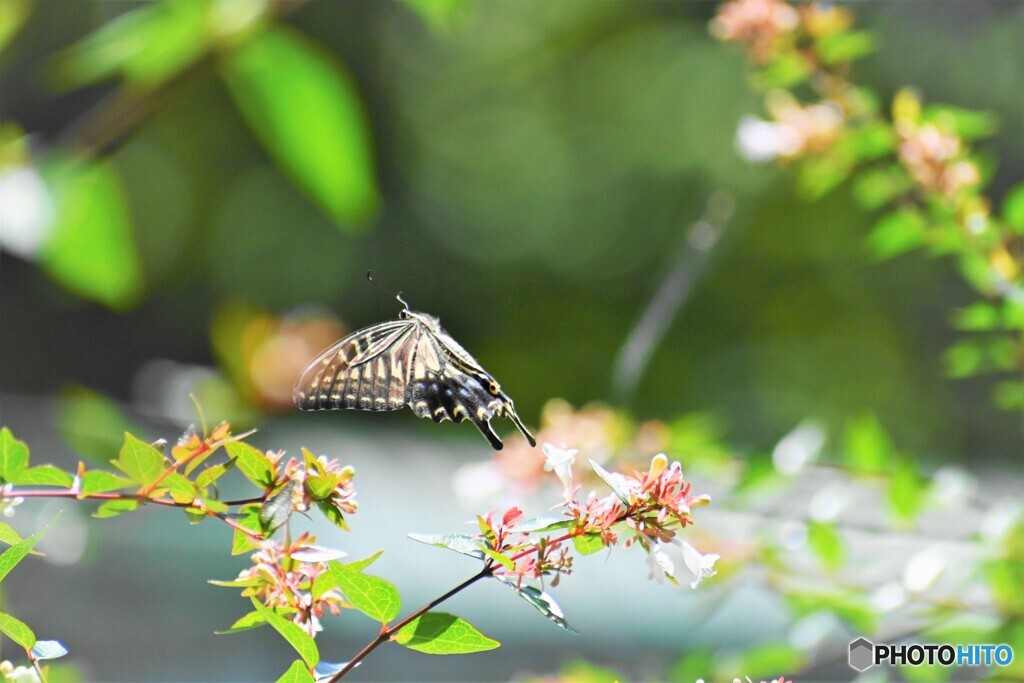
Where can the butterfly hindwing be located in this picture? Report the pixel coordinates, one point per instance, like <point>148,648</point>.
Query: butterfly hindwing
<point>413,362</point>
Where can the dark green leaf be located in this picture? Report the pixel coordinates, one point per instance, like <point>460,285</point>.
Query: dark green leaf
<point>253,463</point>
<point>297,673</point>
<point>292,632</point>
<point>42,475</point>
<point>113,508</point>
<point>91,250</point>
<point>278,508</point>
<point>437,633</point>
<point>845,46</point>
<point>13,455</point>
<point>141,462</point>
<point>91,423</point>
<point>303,107</point>
<point>588,544</point>
<point>373,596</point>
<point>101,481</point>
<point>1013,208</point>
<point>17,630</point>
<point>541,601</point>
<point>17,552</point>
<point>49,649</point>
<point>827,544</point>
<point>460,543</point>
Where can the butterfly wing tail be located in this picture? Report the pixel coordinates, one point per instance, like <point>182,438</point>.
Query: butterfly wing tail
<point>485,428</point>
<point>510,411</point>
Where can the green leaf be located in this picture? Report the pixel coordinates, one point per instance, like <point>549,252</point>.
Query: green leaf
<point>17,552</point>
<point>765,661</point>
<point>278,508</point>
<point>499,558</point>
<point>785,71</point>
<point>1013,208</point>
<point>248,517</point>
<point>1004,577</point>
<point>8,535</point>
<point>581,671</point>
<point>588,544</point>
<point>696,664</point>
<point>113,508</point>
<point>13,14</point>
<point>91,423</point>
<point>146,46</point>
<point>90,249</point>
<point>978,317</point>
<point>819,175</point>
<point>873,141</point>
<point>304,109</point>
<point>868,448</point>
<point>42,475</point>
<point>845,46</point>
<point>333,513</point>
<point>874,188</point>
<point>212,474</point>
<point>321,487</point>
<point>1009,395</point>
<point>297,673</point>
<point>253,463</point>
<point>827,544</point>
<point>460,543</point>
<point>759,474</point>
<point>49,649</point>
<point>440,14</point>
<point>292,632</point>
<point>968,124</point>
<point>543,524</point>
<point>101,481</point>
<point>13,454</point>
<point>373,596</point>
<point>245,623</point>
<point>541,601</point>
<point>437,633</point>
<point>17,630</point>
<point>360,565</point>
<point>141,462</point>
<point>851,606</point>
<point>897,232</point>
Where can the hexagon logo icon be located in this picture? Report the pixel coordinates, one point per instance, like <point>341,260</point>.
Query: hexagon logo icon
<point>862,654</point>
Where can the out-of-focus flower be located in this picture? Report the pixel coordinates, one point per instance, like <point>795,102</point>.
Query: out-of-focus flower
<point>559,461</point>
<point>758,23</point>
<point>18,674</point>
<point>27,211</point>
<point>795,130</point>
<point>932,156</point>
<point>665,559</point>
<point>819,19</point>
<point>8,500</point>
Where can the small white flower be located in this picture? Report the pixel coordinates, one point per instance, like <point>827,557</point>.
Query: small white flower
<point>559,461</point>
<point>667,557</point>
<point>19,674</point>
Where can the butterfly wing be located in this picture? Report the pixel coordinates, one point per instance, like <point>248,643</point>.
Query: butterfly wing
<point>367,370</point>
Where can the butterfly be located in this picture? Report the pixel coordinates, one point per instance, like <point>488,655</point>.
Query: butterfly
<point>410,361</point>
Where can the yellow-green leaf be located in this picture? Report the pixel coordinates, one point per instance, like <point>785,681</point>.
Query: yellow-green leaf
<point>13,454</point>
<point>140,461</point>
<point>443,634</point>
<point>290,631</point>
<point>17,630</point>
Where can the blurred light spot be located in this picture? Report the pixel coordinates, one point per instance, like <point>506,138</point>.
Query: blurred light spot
<point>67,540</point>
<point>478,483</point>
<point>827,503</point>
<point>888,596</point>
<point>26,211</point>
<point>951,487</point>
<point>808,632</point>
<point>1000,518</point>
<point>760,141</point>
<point>923,569</point>
<point>793,535</point>
<point>161,387</point>
<point>797,448</point>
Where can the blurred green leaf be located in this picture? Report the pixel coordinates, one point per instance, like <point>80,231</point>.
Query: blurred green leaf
<point>90,249</point>
<point>13,455</point>
<point>297,673</point>
<point>42,475</point>
<point>788,69</point>
<point>541,601</point>
<point>1004,577</point>
<point>91,423</point>
<point>966,123</point>
<point>853,607</point>
<point>845,46</point>
<point>292,632</point>
<point>253,463</point>
<point>867,447</point>
<point>1009,394</point>
<point>113,508</point>
<point>305,110</point>
<point>17,630</point>
<point>13,14</point>
<point>439,14</point>
<point>100,481</point>
<point>587,544</point>
<point>10,558</point>
<point>581,671</point>
<point>876,187</point>
<point>906,492</point>
<point>698,664</point>
<point>146,46</point>
<point>140,461</point>
<point>975,356</point>
<point>8,535</point>
<point>827,545</point>
<point>373,596</point>
<point>872,141</point>
<point>437,633</point>
<point>766,661</point>
<point>978,317</point>
<point>897,232</point>
<point>1013,208</point>
<point>758,474</point>
<point>819,175</point>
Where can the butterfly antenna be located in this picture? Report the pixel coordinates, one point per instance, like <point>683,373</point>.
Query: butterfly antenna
<point>402,301</point>
<point>369,276</point>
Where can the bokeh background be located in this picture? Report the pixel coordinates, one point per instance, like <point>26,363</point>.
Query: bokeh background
<point>531,172</point>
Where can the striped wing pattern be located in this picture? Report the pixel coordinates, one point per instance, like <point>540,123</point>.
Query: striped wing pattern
<point>411,362</point>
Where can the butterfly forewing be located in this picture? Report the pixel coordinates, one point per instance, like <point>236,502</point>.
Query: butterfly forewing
<point>410,362</point>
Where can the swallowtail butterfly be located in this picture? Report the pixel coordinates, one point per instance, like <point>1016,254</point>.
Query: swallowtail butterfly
<point>410,361</point>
